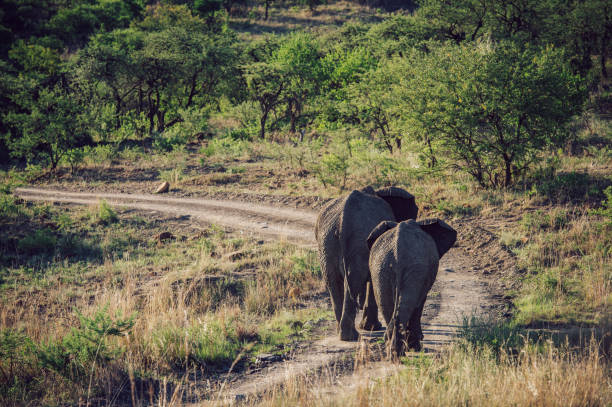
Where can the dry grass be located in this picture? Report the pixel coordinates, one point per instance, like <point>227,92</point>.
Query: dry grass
<point>324,18</point>
<point>568,259</point>
<point>193,302</point>
<point>536,376</point>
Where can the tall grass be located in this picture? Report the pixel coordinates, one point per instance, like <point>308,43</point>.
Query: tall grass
<point>471,376</point>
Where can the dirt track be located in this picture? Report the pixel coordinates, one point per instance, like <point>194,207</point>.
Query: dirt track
<point>458,292</point>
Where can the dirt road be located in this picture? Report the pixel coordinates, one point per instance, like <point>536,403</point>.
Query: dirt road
<point>457,293</point>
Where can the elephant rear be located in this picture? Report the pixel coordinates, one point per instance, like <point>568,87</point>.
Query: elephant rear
<point>404,259</point>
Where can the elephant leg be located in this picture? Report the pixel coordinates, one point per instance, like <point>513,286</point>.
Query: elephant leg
<point>415,333</point>
<point>335,285</point>
<point>369,321</point>
<point>347,321</point>
<point>336,291</point>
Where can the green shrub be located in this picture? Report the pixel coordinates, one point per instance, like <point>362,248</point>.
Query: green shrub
<point>226,147</point>
<point>606,207</point>
<point>8,206</point>
<point>535,221</point>
<point>307,264</point>
<point>169,141</point>
<point>212,341</point>
<point>495,335</point>
<point>17,362</point>
<point>106,214</point>
<point>71,245</point>
<point>101,154</point>
<point>333,170</point>
<point>41,241</point>
<point>240,134</point>
<point>566,187</point>
<point>173,175</point>
<point>448,208</point>
<point>74,157</point>
<point>75,355</point>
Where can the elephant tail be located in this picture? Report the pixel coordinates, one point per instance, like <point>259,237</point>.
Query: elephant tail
<point>393,334</point>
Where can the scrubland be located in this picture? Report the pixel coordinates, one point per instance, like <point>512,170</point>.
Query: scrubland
<point>501,127</point>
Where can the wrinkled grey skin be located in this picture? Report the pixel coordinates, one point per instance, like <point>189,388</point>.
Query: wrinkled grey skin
<point>403,263</point>
<point>341,230</point>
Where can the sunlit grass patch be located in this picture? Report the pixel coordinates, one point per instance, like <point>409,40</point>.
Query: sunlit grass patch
<point>492,364</point>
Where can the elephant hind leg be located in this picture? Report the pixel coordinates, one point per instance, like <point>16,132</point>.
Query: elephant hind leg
<point>335,285</point>
<point>369,320</point>
<point>415,333</point>
<point>347,321</point>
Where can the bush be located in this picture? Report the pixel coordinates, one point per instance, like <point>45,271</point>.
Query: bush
<point>566,187</point>
<point>226,147</point>
<point>76,354</point>
<point>41,241</point>
<point>211,341</point>
<point>54,125</point>
<point>169,141</point>
<point>606,210</point>
<point>74,157</point>
<point>101,154</point>
<point>333,170</point>
<point>8,206</point>
<point>492,107</point>
<point>18,363</point>
<point>106,215</point>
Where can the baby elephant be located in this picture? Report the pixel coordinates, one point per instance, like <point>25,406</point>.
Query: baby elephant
<point>403,264</point>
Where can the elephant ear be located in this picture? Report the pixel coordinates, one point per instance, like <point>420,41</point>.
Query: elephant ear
<point>444,236</point>
<point>401,202</point>
<point>379,230</point>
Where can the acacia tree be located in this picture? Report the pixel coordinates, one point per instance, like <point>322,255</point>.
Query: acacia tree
<point>374,106</point>
<point>493,108</point>
<point>455,20</point>
<point>54,124</point>
<point>299,60</point>
<point>174,61</point>
<point>265,84</point>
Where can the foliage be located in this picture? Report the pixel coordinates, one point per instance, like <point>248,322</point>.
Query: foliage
<point>41,241</point>
<point>606,207</point>
<point>76,355</point>
<point>333,169</point>
<point>106,215</point>
<point>492,107</point>
<point>55,125</point>
<point>17,361</point>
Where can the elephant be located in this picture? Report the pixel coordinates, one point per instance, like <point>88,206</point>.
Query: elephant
<point>403,264</point>
<point>341,230</point>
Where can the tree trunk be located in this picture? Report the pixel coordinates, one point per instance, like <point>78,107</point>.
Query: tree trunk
<point>161,126</point>
<point>389,146</point>
<point>117,111</point>
<point>151,122</point>
<point>432,159</point>
<point>262,123</point>
<point>293,120</point>
<point>604,71</point>
<point>267,7</point>
<point>508,168</point>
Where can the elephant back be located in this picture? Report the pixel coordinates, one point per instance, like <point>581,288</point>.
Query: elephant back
<point>328,219</point>
<point>414,246</point>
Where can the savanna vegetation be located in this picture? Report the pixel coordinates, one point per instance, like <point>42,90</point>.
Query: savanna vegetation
<point>494,112</point>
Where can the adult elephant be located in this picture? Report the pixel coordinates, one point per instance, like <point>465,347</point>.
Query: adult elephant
<point>342,229</point>
<point>403,263</point>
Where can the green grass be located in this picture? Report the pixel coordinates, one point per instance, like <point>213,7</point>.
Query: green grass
<point>188,309</point>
